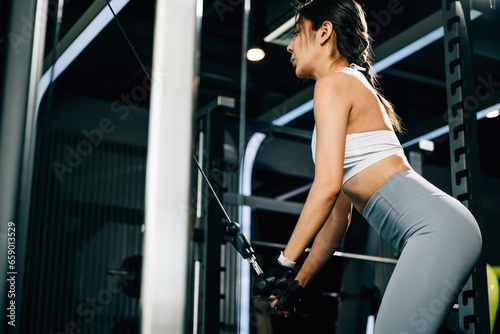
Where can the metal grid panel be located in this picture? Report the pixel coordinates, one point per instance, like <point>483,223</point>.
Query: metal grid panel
<point>85,221</point>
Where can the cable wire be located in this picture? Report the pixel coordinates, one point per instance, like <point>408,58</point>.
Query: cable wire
<point>129,42</point>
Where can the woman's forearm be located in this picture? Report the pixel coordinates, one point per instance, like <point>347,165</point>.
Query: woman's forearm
<point>319,255</point>
<point>327,241</point>
<point>315,212</point>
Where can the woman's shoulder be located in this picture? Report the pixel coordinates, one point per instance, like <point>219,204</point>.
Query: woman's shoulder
<point>345,80</point>
<point>338,82</point>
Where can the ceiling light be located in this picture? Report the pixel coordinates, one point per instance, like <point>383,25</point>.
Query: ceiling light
<point>255,54</point>
<point>493,114</point>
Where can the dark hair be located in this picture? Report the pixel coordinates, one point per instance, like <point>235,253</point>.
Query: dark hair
<point>353,41</point>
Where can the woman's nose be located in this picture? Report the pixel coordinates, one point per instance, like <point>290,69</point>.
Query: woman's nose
<point>289,48</point>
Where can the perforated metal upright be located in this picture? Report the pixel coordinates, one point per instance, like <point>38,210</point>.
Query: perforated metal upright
<point>464,152</point>
<point>212,287</point>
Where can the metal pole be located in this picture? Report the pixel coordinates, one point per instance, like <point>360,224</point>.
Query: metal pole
<point>166,241</point>
<point>464,153</point>
<point>17,139</point>
<point>243,83</point>
<point>244,272</point>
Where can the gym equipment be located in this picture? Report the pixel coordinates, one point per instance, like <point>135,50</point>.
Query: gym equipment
<point>492,275</point>
<point>130,272</point>
<point>240,241</point>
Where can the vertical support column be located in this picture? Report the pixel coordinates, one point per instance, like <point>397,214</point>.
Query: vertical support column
<point>464,151</point>
<point>164,272</point>
<point>23,68</point>
<point>214,227</point>
<point>244,277</point>
<point>209,304</point>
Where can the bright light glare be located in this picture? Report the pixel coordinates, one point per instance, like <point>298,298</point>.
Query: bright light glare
<point>426,145</point>
<point>255,54</point>
<point>493,114</point>
<point>370,324</point>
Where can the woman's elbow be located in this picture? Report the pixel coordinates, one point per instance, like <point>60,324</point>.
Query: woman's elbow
<point>328,188</point>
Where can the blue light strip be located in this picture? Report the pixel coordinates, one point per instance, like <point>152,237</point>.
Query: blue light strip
<point>78,45</point>
<point>246,224</point>
<point>428,136</point>
<point>377,67</point>
<point>294,114</point>
<point>415,46</point>
<point>294,192</point>
<point>446,129</point>
<point>408,50</point>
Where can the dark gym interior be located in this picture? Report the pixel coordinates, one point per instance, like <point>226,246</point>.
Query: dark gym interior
<point>76,162</point>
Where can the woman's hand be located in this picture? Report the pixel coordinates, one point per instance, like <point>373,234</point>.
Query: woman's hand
<point>286,304</point>
<point>274,280</point>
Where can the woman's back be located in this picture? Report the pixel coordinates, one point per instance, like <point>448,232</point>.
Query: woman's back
<point>367,116</point>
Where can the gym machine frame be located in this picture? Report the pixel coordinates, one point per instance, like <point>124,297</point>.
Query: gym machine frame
<point>464,152</point>
<point>212,224</point>
<point>206,239</point>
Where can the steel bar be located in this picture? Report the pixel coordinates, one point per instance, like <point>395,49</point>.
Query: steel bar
<point>337,253</point>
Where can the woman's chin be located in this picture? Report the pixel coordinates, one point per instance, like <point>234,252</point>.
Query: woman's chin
<point>300,74</point>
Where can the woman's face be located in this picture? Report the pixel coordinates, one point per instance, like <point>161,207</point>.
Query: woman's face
<point>302,48</point>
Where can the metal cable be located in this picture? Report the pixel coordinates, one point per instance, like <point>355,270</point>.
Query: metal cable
<point>129,42</point>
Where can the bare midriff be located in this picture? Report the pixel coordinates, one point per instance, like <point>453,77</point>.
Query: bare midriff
<point>361,187</point>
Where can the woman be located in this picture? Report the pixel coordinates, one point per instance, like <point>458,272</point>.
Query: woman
<point>359,162</point>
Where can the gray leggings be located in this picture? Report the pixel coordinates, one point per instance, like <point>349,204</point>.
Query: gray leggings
<point>439,241</point>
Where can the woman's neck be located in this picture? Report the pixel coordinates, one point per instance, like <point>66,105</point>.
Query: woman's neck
<point>330,65</point>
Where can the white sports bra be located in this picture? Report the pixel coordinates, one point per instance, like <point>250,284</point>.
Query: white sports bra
<point>364,149</point>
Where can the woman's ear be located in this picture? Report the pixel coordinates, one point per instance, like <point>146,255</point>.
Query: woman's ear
<point>326,32</point>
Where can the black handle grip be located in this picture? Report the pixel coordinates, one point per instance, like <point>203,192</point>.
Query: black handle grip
<point>261,287</point>
<point>243,245</point>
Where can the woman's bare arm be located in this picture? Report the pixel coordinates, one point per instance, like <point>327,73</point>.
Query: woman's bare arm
<point>327,241</point>
<point>332,106</point>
